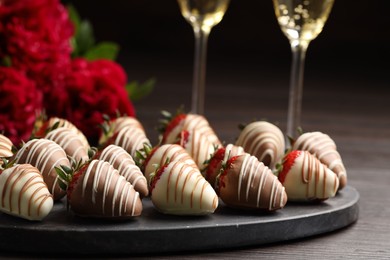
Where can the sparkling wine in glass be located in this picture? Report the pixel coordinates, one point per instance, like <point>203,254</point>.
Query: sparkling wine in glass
<point>202,15</point>
<point>301,21</point>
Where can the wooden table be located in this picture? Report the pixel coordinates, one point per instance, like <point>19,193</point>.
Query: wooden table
<point>352,106</point>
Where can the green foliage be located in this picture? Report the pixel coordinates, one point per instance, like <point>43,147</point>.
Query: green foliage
<point>65,175</point>
<point>83,40</point>
<point>84,45</point>
<point>137,90</point>
<point>103,50</point>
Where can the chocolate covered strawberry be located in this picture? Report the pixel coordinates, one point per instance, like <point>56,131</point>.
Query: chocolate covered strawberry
<point>172,126</point>
<point>43,126</point>
<point>148,158</point>
<point>96,189</point>
<point>5,147</point>
<point>23,193</point>
<point>179,189</point>
<point>306,178</point>
<point>198,146</point>
<point>45,155</point>
<point>129,138</point>
<point>124,163</point>
<point>263,140</point>
<point>219,158</point>
<point>245,182</point>
<point>112,126</point>
<point>71,142</point>
<point>324,148</point>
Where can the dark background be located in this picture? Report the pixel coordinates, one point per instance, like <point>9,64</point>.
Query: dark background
<point>247,48</point>
<point>358,31</point>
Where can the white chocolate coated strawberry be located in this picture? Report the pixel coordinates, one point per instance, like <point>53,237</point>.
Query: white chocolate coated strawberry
<point>324,148</point>
<point>308,179</point>
<point>160,155</point>
<point>263,140</point>
<point>24,193</point>
<point>189,123</point>
<point>180,189</point>
<point>198,146</point>
<point>5,147</point>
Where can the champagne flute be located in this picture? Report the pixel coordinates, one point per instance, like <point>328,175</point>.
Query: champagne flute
<point>301,21</point>
<point>202,15</point>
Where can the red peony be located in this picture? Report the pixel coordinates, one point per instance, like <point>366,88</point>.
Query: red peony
<point>19,102</point>
<point>96,88</point>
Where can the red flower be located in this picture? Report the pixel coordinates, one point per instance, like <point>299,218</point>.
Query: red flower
<point>20,101</point>
<point>35,35</point>
<point>96,88</point>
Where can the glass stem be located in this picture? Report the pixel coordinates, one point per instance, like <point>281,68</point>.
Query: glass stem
<point>296,87</point>
<point>199,80</point>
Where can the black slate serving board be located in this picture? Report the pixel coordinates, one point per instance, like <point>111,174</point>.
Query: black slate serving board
<point>64,233</point>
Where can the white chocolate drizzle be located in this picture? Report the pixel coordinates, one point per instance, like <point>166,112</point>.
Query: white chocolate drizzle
<point>124,163</point>
<point>324,148</point>
<point>249,169</point>
<point>45,155</point>
<point>67,124</point>
<point>104,174</point>
<point>70,142</point>
<point>131,139</point>
<point>263,140</point>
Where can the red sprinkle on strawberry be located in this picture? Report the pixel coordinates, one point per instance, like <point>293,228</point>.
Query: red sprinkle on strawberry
<point>172,124</point>
<point>214,163</point>
<point>184,137</point>
<point>225,168</point>
<point>305,178</point>
<point>288,162</point>
<point>156,176</point>
<point>74,180</point>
